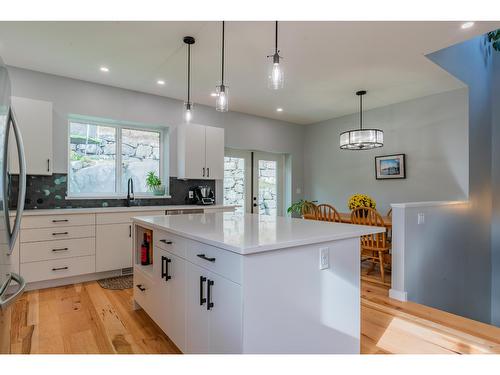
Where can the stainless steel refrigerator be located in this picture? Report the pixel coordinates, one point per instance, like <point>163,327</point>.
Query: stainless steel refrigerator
<point>11,284</point>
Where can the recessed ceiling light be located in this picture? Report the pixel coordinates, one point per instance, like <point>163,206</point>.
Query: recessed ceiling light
<point>213,94</point>
<point>104,69</point>
<point>160,82</point>
<point>467,25</point>
<point>279,109</point>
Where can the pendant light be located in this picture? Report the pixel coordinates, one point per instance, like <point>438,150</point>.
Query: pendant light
<point>275,79</point>
<point>221,103</point>
<point>188,106</point>
<point>361,139</point>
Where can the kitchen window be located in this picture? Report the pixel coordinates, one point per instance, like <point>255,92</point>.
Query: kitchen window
<point>104,154</point>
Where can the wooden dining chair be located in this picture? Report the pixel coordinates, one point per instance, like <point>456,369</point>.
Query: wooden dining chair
<point>374,247</point>
<point>326,212</point>
<point>309,211</point>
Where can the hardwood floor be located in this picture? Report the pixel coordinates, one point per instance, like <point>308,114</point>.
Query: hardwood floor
<point>84,318</point>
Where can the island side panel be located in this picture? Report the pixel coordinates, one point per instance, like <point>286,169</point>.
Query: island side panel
<point>291,306</point>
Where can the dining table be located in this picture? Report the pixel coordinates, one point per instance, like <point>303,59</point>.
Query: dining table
<point>346,218</point>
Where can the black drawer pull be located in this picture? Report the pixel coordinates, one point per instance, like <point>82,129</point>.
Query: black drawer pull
<point>61,249</point>
<point>60,268</point>
<point>203,256</point>
<point>202,299</point>
<point>166,242</point>
<point>60,220</point>
<point>59,233</point>
<point>141,288</point>
<point>164,268</point>
<point>210,304</point>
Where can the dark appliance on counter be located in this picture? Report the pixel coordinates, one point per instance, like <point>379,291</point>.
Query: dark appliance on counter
<point>203,195</point>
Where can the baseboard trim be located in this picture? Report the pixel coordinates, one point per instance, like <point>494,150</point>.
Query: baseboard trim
<point>399,295</point>
<point>71,280</point>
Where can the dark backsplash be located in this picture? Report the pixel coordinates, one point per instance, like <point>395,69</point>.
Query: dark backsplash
<point>46,192</point>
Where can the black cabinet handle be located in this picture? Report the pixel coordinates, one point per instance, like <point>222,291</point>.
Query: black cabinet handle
<point>202,299</point>
<point>59,269</point>
<point>208,172</point>
<point>130,231</point>
<point>164,268</point>
<point>141,288</point>
<point>210,304</point>
<point>59,233</point>
<point>166,242</point>
<point>61,249</point>
<point>60,220</point>
<point>203,172</point>
<point>203,256</point>
<point>48,165</point>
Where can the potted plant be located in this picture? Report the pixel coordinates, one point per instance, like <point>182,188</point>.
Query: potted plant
<point>298,208</point>
<point>154,185</point>
<point>361,200</point>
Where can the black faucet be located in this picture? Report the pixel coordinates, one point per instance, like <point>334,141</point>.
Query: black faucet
<point>130,191</point>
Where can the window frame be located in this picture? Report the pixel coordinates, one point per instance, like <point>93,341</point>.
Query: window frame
<point>163,132</point>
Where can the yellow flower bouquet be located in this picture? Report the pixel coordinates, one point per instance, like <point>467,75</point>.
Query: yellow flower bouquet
<point>361,200</point>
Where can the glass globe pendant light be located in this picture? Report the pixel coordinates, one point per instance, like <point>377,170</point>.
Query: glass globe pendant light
<point>276,78</point>
<point>361,139</point>
<point>221,91</point>
<point>188,105</point>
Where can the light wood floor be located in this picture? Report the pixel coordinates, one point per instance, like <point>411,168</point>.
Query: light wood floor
<point>84,318</point>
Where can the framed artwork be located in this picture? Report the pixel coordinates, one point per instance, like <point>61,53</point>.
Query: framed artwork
<point>390,167</point>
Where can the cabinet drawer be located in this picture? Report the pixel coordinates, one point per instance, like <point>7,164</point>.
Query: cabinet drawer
<point>55,221</point>
<point>57,268</point>
<point>49,234</point>
<point>170,242</point>
<point>143,292</point>
<point>124,217</point>
<point>222,262</point>
<point>48,250</point>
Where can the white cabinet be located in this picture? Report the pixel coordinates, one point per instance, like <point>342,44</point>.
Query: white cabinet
<point>34,118</point>
<point>200,152</point>
<point>113,246</point>
<point>196,311</point>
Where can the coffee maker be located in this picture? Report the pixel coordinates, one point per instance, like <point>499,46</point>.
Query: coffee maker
<point>202,195</point>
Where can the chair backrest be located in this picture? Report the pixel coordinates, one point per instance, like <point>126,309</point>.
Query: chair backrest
<point>369,216</point>
<point>309,211</point>
<point>325,212</point>
<point>389,213</point>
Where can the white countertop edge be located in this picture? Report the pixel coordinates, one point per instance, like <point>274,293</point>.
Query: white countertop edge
<point>427,204</point>
<point>98,210</point>
<point>357,232</point>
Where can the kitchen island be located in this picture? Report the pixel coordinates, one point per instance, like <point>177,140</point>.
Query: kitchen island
<point>243,283</point>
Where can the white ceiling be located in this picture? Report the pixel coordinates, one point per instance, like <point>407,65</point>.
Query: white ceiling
<point>325,62</point>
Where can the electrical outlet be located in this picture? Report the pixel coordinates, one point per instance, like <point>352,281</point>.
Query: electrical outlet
<point>191,194</point>
<point>420,218</point>
<point>324,261</point>
<point>298,191</point>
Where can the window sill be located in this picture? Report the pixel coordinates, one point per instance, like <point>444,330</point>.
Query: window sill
<point>121,197</point>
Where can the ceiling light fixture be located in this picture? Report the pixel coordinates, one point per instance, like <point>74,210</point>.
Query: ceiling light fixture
<point>160,82</point>
<point>467,25</point>
<point>221,103</point>
<point>275,79</point>
<point>104,69</point>
<point>361,139</point>
<point>279,109</point>
<point>188,106</point>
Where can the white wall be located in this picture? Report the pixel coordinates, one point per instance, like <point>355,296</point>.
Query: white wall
<point>91,99</point>
<point>433,133</point>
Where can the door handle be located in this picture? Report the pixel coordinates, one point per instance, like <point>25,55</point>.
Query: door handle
<point>60,268</point>
<point>202,299</point>
<point>203,256</point>
<point>210,304</point>
<point>164,268</point>
<point>140,287</point>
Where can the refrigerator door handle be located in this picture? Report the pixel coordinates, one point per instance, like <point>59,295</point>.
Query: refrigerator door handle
<point>5,302</point>
<point>22,184</point>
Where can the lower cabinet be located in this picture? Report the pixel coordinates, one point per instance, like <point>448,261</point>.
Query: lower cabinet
<point>113,246</point>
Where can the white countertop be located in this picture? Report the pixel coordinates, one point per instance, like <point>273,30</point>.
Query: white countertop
<point>96,210</point>
<point>251,233</point>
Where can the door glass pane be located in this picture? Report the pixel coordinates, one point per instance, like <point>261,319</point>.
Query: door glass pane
<point>268,187</point>
<point>234,182</point>
<point>140,155</point>
<point>92,159</point>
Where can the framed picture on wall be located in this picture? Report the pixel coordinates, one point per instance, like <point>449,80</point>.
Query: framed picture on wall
<point>390,167</point>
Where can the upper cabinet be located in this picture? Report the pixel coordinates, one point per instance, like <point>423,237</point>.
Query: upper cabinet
<point>34,118</point>
<point>200,152</point>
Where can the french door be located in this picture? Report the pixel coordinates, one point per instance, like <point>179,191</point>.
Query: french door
<point>254,181</point>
